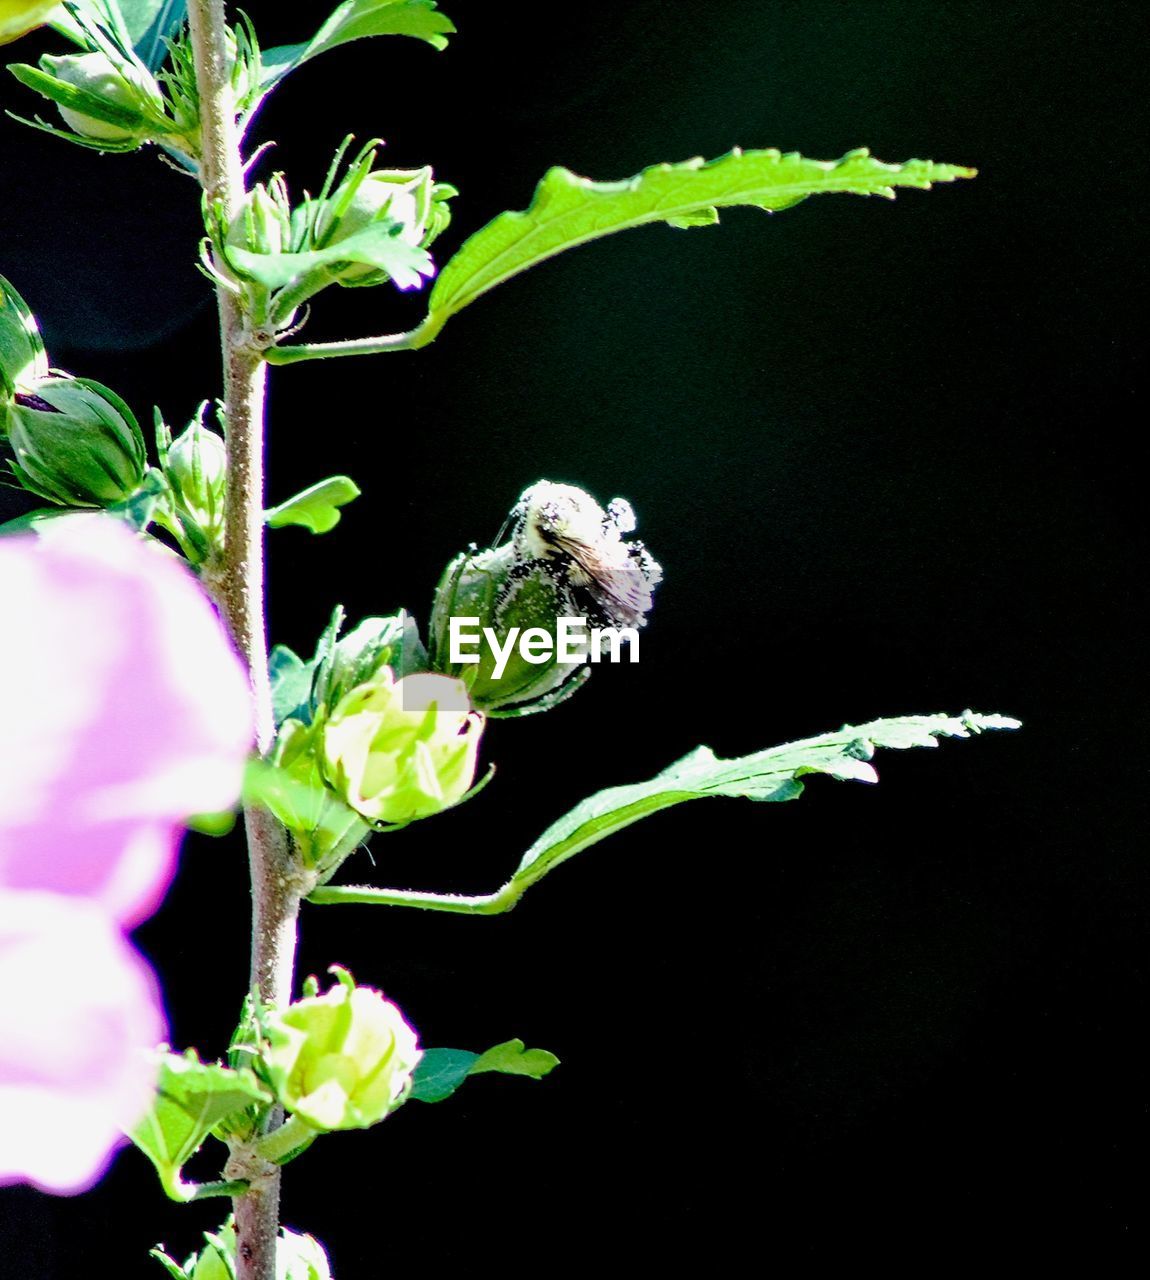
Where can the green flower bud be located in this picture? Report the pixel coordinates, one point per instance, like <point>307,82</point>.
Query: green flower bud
<point>397,750</point>
<point>196,468</point>
<point>341,1060</point>
<point>395,195</point>
<point>127,85</point>
<point>564,589</point>
<point>408,198</point>
<point>75,443</point>
<point>23,360</point>
<point>263,224</point>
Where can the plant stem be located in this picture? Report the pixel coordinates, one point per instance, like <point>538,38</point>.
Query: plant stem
<point>237,583</point>
<point>354,347</point>
<point>483,904</point>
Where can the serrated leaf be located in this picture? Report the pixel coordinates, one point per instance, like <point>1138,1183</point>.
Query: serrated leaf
<point>191,1098</point>
<point>774,774</point>
<point>568,210</point>
<point>512,1059</point>
<point>354,20</point>
<point>380,245</point>
<point>441,1071</point>
<point>316,508</point>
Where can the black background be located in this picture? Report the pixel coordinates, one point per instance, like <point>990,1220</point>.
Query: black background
<point>885,453</point>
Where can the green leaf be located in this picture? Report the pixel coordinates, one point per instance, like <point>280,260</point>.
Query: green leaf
<point>568,210</point>
<point>291,679</point>
<point>774,774</point>
<point>30,520</point>
<point>316,508</point>
<point>150,23</point>
<point>191,1098</point>
<point>297,797</point>
<point>23,359</point>
<point>380,245</point>
<point>441,1071</point>
<point>216,824</point>
<point>512,1059</point>
<point>355,19</point>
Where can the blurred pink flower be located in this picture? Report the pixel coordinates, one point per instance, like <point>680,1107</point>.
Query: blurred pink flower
<point>124,711</point>
<point>78,1004</point>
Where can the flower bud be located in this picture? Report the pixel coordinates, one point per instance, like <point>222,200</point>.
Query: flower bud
<point>341,1060</point>
<point>566,558</point>
<point>407,197</point>
<point>126,85</point>
<point>196,468</point>
<point>75,443</point>
<point>397,750</point>
<point>263,224</point>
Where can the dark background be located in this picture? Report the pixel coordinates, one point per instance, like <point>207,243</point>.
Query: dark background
<point>885,453</point>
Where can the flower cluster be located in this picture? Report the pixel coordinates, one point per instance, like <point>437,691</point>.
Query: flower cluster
<point>126,712</point>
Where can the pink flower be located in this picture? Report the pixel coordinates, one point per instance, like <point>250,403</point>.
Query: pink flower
<point>124,711</point>
<point>78,1004</point>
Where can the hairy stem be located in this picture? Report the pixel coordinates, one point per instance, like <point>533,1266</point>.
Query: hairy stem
<point>354,347</point>
<point>483,904</point>
<point>237,583</point>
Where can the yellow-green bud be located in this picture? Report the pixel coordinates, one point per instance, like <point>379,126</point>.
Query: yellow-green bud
<point>126,85</point>
<point>75,443</point>
<point>341,1060</point>
<point>397,750</point>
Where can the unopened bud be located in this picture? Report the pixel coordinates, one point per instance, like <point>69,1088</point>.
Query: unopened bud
<point>75,443</point>
<point>341,1060</point>
<point>397,750</point>
<point>125,85</point>
<point>564,588</point>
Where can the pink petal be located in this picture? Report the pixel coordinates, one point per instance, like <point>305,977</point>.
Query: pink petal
<point>126,712</point>
<point>80,1010</point>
